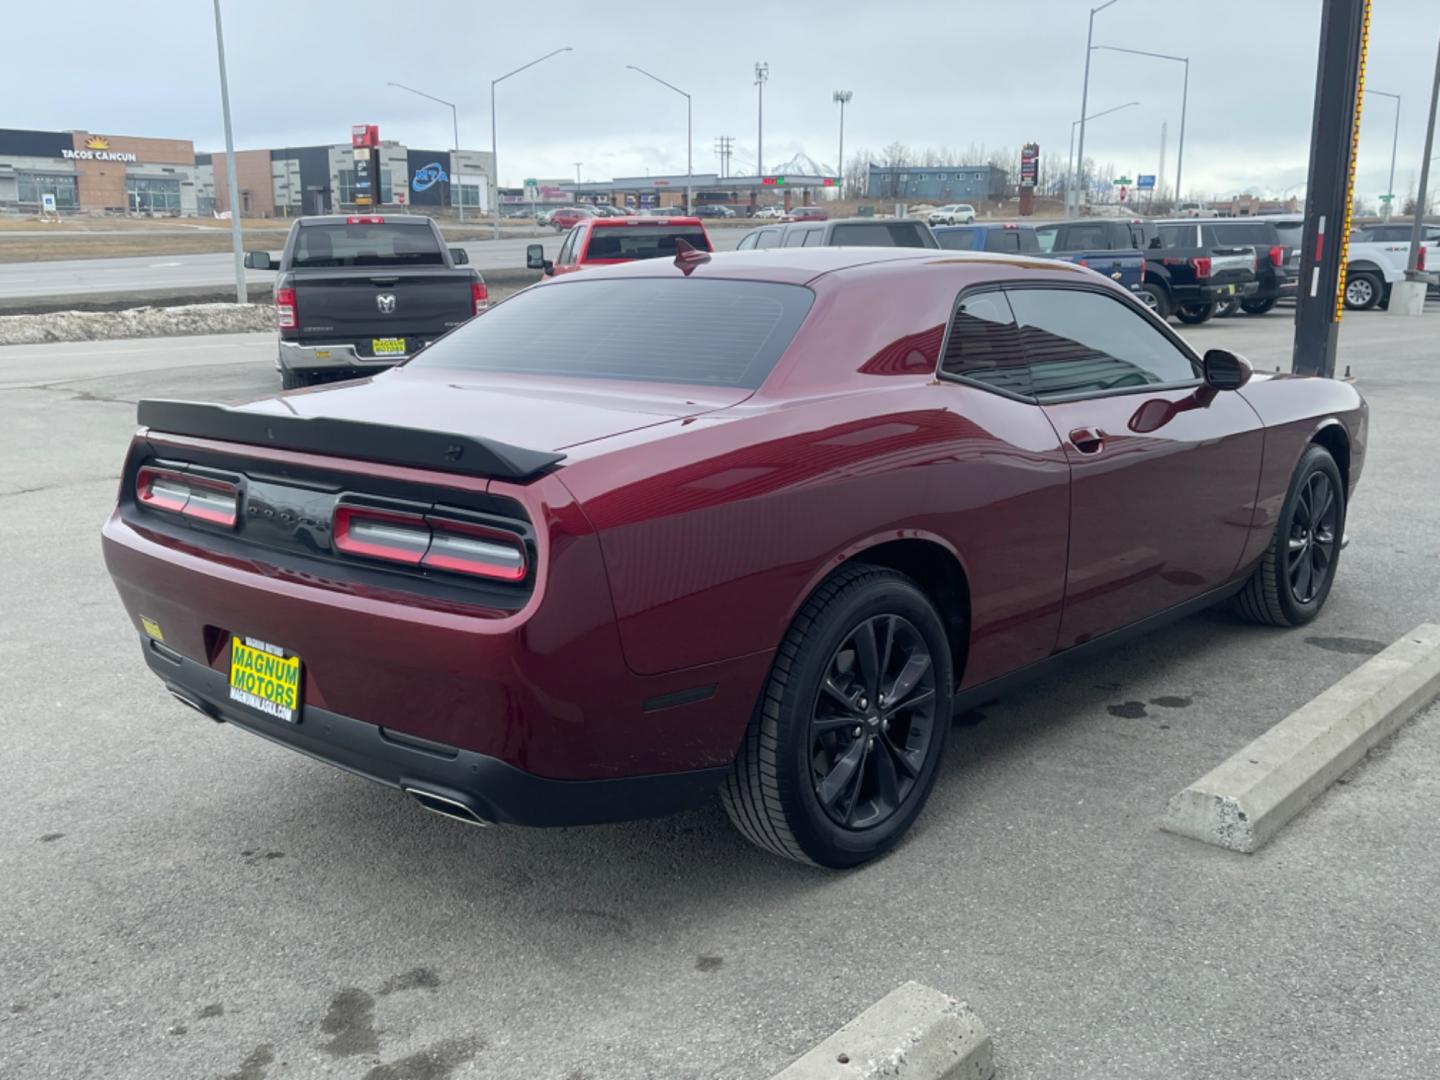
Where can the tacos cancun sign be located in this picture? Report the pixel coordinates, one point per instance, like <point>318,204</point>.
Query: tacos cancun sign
<point>97,149</point>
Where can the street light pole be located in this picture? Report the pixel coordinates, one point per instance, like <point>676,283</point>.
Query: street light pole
<point>458,203</point>
<point>1184,104</point>
<point>843,97</point>
<point>762,73</point>
<point>1394,144</point>
<point>242,295</point>
<point>689,137</point>
<point>494,147</point>
<point>1085,92</point>
<point>1080,123</point>
<point>1412,266</point>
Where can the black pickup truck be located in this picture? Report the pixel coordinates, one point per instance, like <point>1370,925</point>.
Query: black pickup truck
<point>360,293</point>
<point>1186,282</point>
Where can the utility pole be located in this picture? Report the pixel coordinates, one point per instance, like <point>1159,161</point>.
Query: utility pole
<point>762,73</point>
<point>1394,144</point>
<point>242,295</point>
<point>724,145</point>
<point>1339,86</point>
<point>1160,176</point>
<point>1409,295</point>
<point>843,97</point>
<point>1085,98</point>
<point>577,171</point>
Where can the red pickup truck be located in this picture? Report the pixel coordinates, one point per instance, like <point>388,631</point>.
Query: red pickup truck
<point>602,241</point>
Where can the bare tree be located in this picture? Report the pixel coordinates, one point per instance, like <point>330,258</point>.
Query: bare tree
<point>856,182</point>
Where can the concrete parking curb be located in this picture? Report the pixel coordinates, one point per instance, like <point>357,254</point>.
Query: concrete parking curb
<point>912,1033</point>
<point>1241,804</point>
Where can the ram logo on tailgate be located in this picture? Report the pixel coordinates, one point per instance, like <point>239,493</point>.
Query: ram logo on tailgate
<point>385,301</point>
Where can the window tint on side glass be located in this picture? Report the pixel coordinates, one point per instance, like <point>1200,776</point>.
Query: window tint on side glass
<point>1176,236</point>
<point>956,239</point>
<point>984,346</point>
<point>1079,343</point>
<point>813,238</point>
<point>794,238</point>
<point>747,242</point>
<point>1005,240</point>
<point>1046,237</point>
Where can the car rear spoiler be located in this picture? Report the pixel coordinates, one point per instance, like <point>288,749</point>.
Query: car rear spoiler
<point>384,443</point>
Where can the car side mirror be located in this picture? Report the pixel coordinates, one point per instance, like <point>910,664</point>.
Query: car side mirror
<point>1225,370</point>
<point>459,256</point>
<point>259,260</point>
<point>535,259</point>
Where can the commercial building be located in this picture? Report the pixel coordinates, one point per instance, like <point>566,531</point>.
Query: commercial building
<point>741,193</point>
<point>96,173</point>
<point>87,173</point>
<point>297,180</point>
<point>936,184</point>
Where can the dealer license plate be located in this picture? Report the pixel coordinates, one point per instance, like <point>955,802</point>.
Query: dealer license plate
<point>388,346</point>
<point>264,678</point>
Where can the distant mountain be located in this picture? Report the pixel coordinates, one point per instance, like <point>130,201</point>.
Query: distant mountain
<point>802,164</point>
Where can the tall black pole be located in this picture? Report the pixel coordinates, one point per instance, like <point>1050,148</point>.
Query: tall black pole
<point>1412,264</point>
<point>1339,86</point>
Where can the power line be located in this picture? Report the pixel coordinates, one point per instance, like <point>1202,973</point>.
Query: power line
<point>724,148</point>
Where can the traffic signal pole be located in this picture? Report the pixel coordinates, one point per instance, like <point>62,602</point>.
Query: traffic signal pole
<point>1335,130</point>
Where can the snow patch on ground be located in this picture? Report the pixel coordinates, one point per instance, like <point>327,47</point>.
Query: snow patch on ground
<point>135,323</point>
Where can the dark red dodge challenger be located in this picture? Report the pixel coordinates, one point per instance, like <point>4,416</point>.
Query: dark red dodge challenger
<point>753,523</point>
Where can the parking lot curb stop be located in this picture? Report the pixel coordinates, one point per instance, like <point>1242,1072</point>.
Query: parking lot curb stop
<point>913,1033</point>
<point>1242,804</point>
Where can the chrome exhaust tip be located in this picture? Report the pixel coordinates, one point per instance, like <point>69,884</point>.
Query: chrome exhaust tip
<point>445,806</point>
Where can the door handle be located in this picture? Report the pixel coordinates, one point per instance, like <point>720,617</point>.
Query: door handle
<point>1088,440</point>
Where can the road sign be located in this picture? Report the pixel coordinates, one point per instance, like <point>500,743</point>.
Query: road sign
<point>47,202</point>
<point>530,181</point>
<point>1123,192</point>
<point>1386,198</point>
<point>1123,181</point>
<point>1145,181</point>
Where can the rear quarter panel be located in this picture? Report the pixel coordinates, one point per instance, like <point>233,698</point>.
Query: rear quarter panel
<point>1295,411</point>
<point>714,535</point>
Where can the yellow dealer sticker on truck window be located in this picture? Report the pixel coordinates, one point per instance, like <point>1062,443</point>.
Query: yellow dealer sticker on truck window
<point>264,678</point>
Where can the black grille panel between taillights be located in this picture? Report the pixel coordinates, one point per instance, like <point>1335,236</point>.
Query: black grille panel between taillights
<point>431,542</point>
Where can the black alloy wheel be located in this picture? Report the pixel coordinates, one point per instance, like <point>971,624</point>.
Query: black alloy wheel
<point>849,731</point>
<point>1257,307</point>
<point>1293,579</point>
<point>1194,314</point>
<point>1314,533</point>
<point>872,722</point>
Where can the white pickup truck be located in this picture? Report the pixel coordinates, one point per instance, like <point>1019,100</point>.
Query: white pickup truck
<point>1377,258</point>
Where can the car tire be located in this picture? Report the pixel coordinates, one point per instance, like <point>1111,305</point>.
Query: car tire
<point>970,220</point>
<point>1195,314</point>
<point>1362,290</point>
<point>294,380</point>
<point>1227,308</point>
<point>1154,298</point>
<point>782,793</point>
<point>1294,577</point>
<point>1257,307</point>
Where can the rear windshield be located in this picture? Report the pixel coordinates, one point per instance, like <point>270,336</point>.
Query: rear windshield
<point>956,239</point>
<point>880,234</point>
<point>366,245</point>
<point>680,330</point>
<point>643,241</point>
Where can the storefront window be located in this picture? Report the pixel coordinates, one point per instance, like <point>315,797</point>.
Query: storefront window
<point>32,185</point>
<point>469,194</point>
<point>153,196</point>
<point>345,182</point>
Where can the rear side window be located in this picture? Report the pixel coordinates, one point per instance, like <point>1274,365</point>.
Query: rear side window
<point>880,234</point>
<point>984,345</point>
<point>795,237</point>
<point>710,332</point>
<point>1081,343</point>
<point>1261,233</point>
<point>1086,238</point>
<point>956,239</point>
<point>381,244</point>
<point>1177,236</point>
<point>1045,236</point>
<point>747,241</point>
<point>642,241</point>
<point>814,238</point>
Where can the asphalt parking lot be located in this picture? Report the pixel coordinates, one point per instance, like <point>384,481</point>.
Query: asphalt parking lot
<point>179,899</point>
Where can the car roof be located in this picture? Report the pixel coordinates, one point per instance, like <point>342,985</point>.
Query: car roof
<point>637,219</point>
<point>342,219</point>
<point>799,266</point>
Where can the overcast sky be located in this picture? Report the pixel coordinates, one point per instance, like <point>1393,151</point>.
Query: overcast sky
<point>923,72</point>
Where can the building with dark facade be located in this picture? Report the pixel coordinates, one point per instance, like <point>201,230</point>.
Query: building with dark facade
<point>937,183</point>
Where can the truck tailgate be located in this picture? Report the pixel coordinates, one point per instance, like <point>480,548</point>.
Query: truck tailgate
<point>336,305</point>
<point>1232,265</point>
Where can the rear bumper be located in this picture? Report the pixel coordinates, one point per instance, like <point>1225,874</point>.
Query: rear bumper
<point>491,789</point>
<point>336,357</point>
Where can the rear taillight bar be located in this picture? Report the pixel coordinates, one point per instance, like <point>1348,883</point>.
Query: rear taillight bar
<point>364,219</point>
<point>430,541</point>
<point>286,315</point>
<point>479,297</point>
<point>1201,263</point>
<point>200,497</point>
<point>1277,256</point>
